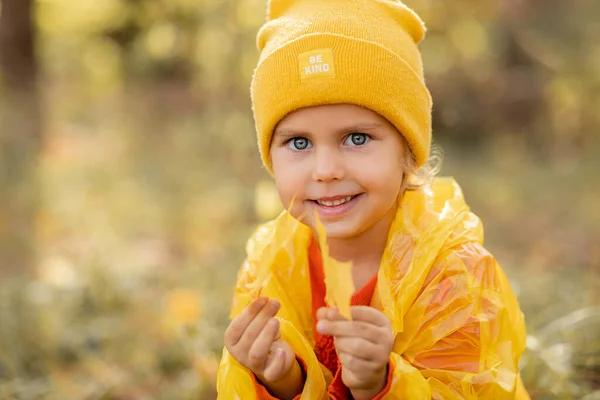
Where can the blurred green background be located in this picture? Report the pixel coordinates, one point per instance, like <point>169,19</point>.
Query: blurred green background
<point>130,180</point>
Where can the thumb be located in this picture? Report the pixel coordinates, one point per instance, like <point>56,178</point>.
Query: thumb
<point>275,368</point>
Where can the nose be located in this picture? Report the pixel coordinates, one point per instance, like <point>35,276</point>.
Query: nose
<point>328,165</point>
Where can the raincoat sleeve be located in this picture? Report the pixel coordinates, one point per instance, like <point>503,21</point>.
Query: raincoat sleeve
<point>234,381</point>
<point>464,334</point>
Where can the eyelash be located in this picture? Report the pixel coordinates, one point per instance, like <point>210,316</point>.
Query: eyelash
<point>291,141</point>
<point>368,138</point>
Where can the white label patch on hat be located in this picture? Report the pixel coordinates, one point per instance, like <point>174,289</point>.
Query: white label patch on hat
<point>316,64</point>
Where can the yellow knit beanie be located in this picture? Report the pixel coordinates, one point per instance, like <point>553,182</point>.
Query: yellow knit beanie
<point>363,52</point>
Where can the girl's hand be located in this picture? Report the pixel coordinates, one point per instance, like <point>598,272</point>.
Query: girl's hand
<point>253,339</point>
<point>363,346</point>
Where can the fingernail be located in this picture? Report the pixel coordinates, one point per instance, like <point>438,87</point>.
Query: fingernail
<point>321,325</point>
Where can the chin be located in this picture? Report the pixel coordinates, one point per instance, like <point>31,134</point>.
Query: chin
<point>340,229</point>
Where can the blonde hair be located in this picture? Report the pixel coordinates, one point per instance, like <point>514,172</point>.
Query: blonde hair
<point>416,178</point>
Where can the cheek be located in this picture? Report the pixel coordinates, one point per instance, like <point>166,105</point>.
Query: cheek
<point>289,183</point>
<point>289,192</point>
<point>285,188</point>
<point>382,178</point>
<point>280,165</point>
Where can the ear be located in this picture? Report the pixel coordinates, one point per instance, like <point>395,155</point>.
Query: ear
<point>276,8</point>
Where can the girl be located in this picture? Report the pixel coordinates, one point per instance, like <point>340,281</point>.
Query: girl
<point>344,125</point>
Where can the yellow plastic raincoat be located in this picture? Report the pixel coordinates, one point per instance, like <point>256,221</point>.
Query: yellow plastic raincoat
<point>459,331</point>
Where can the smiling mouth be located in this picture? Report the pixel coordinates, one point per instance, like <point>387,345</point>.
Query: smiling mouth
<point>336,202</point>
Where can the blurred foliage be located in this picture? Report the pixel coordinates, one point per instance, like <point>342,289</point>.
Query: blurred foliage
<point>150,184</point>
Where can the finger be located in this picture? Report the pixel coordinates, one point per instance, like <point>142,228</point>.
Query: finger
<point>259,352</point>
<point>353,329</point>
<point>277,334</point>
<point>323,312</point>
<point>236,328</point>
<point>360,348</point>
<point>370,315</point>
<point>330,313</point>
<point>359,365</point>
<point>275,367</point>
<point>257,324</point>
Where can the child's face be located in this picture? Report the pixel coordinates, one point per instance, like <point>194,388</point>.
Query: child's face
<point>344,161</point>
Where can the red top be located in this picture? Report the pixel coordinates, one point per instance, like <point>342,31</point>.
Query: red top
<point>324,346</point>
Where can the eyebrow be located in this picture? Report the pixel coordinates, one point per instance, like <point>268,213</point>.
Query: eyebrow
<point>289,133</point>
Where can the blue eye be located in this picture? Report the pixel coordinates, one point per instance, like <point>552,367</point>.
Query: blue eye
<point>357,139</point>
<point>299,143</point>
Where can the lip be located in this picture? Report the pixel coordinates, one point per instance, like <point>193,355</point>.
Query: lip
<point>336,211</point>
<point>333,198</point>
